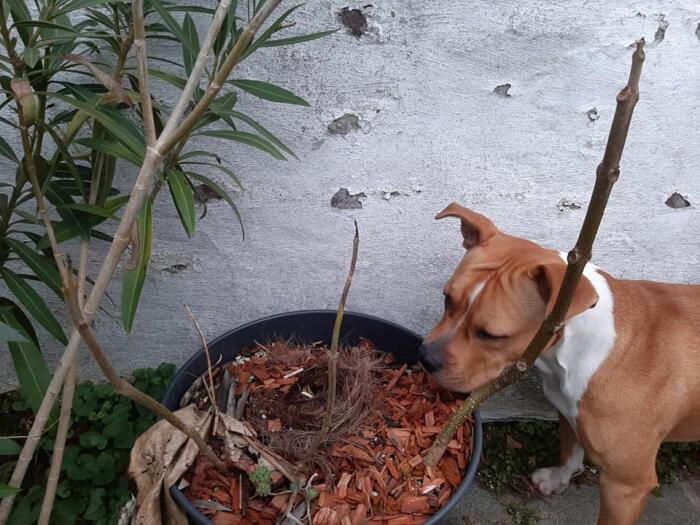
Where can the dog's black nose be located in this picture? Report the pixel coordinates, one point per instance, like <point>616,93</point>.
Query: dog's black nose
<point>430,359</point>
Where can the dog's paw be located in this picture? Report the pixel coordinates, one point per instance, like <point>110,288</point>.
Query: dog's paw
<point>553,480</point>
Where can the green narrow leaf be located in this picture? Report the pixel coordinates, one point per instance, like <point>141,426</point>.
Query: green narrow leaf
<point>42,266</point>
<point>9,334</point>
<point>224,169</point>
<point>92,210</point>
<point>170,22</point>
<point>269,92</point>
<point>190,46</point>
<point>221,193</point>
<point>30,56</point>
<point>65,231</point>
<point>32,373</point>
<point>18,316</point>
<point>20,13</point>
<point>246,138</point>
<point>270,31</point>
<point>264,132</point>
<point>175,81</point>
<point>7,490</point>
<point>59,197</point>
<point>63,154</point>
<point>132,280</point>
<point>7,151</point>
<point>45,25</point>
<point>113,121</point>
<point>298,39</point>
<point>8,447</point>
<point>33,303</point>
<point>111,148</point>
<point>80,4</point>
<point>224,103</point>
<point>183,197</point>
<point>221,37</point>
<point>199,153</point>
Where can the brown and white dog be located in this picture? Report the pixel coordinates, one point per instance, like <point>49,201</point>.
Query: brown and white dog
<point>624,373</point>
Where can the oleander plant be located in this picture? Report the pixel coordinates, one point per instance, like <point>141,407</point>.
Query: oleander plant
<point>90,138</point>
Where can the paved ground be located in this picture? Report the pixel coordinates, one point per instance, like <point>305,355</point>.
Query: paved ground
<point>679,504</point>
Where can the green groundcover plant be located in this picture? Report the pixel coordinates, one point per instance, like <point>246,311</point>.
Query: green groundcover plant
<point>93,486</point>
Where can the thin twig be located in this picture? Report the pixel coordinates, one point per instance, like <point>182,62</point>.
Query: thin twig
<point>240,406</point>
<point>606,176</point>
<point>231,399</point>
<point>211,390</point>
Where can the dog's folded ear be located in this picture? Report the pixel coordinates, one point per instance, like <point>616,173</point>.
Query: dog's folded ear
<point>549,277</point>
<point>476,229</point>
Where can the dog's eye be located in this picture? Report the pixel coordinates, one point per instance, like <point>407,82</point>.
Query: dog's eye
<point>483,334</point>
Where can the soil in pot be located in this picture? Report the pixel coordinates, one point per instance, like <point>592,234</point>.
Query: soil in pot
<point>368,469</point>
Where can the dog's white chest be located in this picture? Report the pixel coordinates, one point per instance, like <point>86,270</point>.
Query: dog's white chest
<point>588,339</point>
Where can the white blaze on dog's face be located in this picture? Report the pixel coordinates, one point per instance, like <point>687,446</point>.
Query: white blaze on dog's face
<point>494,303</point>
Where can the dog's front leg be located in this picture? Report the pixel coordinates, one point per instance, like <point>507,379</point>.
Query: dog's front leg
<point>555,480</point>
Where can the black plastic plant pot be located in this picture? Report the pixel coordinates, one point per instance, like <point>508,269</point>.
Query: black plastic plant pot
<point>311,326</point>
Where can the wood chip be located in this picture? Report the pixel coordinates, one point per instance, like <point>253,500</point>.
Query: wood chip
<point>293,373</point>
<point>280,501</point>
<point>412,504</point>
<point>342,488</point>
<point>397,375</point>
<point>274,425</point>
<point>359,514</point>
<point>432,485</point>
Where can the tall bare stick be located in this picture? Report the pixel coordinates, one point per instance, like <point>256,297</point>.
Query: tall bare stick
<point>333,350</point>
<point>606,175</point>
<point>140,191</point>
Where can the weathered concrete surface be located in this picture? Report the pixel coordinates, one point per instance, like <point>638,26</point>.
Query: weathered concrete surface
<point>430,130</point>
<point>679,504</point>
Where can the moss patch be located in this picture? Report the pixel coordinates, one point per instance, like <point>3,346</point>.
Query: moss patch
<point>513,450</point>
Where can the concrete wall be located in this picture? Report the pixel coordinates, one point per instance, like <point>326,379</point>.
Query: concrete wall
<point>424,128</point>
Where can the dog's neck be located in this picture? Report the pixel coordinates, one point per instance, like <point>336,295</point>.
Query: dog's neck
<point>587,340</point>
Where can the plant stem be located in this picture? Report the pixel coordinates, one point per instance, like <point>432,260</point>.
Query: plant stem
<point>606,175</point>
<point>59,444</point>
<point>166,143</point>
<point>333,351</point>
<point>197,70</point>
<point>139,44</point>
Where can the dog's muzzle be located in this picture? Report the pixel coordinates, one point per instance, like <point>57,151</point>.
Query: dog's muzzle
<point>430,358</point>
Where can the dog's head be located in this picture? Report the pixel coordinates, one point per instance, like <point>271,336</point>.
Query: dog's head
<point>494,303</point>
